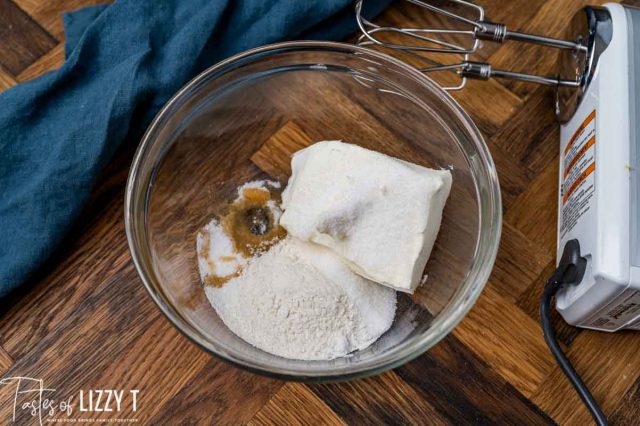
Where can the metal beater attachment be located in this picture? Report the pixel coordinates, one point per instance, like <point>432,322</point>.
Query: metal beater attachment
<point>462,41</point>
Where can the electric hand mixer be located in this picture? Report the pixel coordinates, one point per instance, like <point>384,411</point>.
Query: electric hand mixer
<point>597,283</point>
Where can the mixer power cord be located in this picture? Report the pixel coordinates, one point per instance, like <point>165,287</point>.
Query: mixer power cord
<point>569,271</point>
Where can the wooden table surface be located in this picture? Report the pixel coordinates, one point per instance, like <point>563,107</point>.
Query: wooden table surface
<point>88,323</point>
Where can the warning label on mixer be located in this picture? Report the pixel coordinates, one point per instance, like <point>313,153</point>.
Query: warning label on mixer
<point>578,182</point>
<point>620,311</point>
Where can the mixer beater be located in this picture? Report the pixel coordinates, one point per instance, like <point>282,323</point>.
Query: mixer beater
<point>436,40</point>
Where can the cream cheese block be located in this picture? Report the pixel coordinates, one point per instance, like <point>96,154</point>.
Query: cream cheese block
<point>381,215</point>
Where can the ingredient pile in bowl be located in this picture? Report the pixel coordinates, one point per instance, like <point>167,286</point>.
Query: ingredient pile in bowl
<point>311,276</point>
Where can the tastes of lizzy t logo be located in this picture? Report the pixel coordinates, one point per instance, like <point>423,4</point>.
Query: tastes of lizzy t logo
<point>29,397</point>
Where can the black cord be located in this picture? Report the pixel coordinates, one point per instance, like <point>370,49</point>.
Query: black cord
<point>550,290</point>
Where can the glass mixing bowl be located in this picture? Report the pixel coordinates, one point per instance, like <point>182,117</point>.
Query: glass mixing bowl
<point>224,128</point>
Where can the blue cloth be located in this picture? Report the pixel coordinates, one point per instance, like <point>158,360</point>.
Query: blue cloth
<point>123,60</point>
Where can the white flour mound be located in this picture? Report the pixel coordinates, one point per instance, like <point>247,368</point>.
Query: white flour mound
<point>300,301</point>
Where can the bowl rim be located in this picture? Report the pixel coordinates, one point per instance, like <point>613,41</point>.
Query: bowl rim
<point>455,310</point>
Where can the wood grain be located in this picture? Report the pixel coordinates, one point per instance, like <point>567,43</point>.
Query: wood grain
<point>5,361</point>
<point>513,344</point>
<point>512,273</point>
<point>49,13</point>
<point>386,399</point>
<point>295,404</point>
<point>628,411</point>
<point>608,365</point>
<point>159,349</point>
<point>475,394</point>
<point>6,80</point>
<point>86,321</point>
<point>274,156</point>
<point>541,150</point>
<point>53,59</point>
<point>23,39</point>
<point>219,394</point>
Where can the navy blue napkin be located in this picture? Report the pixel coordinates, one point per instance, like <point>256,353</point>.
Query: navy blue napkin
<point>122,60</point>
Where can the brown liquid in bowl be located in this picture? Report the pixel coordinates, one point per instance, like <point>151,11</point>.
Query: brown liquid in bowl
<point>250,223</point>
<point>251,226</point>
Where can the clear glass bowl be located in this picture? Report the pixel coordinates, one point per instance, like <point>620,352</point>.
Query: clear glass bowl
<point>199,148</point>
